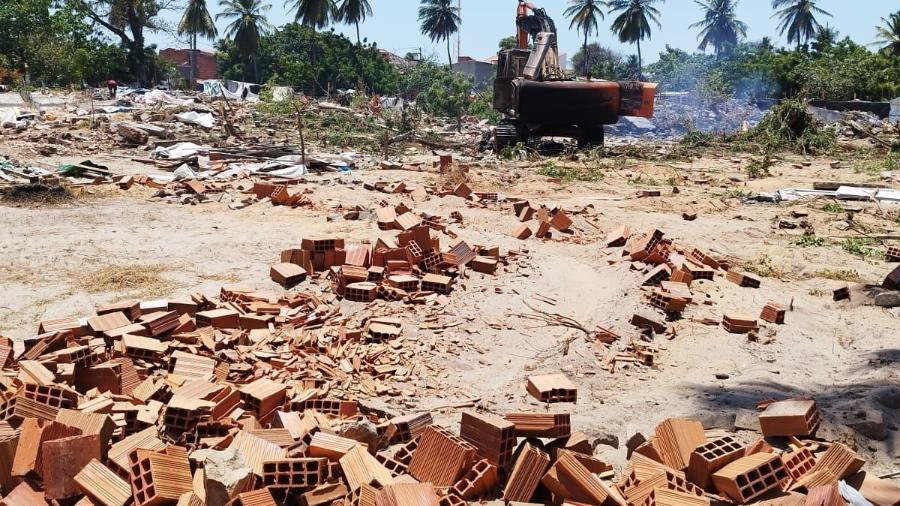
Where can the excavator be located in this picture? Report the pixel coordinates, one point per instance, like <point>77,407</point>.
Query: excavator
<point>538,100</point>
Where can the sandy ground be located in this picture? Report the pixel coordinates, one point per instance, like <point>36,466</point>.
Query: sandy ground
<point>843,354</point>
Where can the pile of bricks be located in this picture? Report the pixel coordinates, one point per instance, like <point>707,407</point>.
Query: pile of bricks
<point>539,220</point>
<point>670,269</point>
<point>106,411</point>
<point>409,267</point>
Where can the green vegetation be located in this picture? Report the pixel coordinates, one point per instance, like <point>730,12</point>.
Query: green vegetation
<point>585,172</point>
<point>759,167</point>
<point>763,266</point>
<point>861,247</point>
<point>842,70</point>
<point>58,47</point>
<point>318,62</point>
<point>196,22</point>
<point>789,126</point>
<point>642,180</point>
<point>809,240</point>
<point>839,275</point>
<point>632,25</point>
<point>798,19</point>
<point>586,16</point>
<point>720,28</point>
<point>867,163</point>
<point>439,19</point>
<point>833,207</point>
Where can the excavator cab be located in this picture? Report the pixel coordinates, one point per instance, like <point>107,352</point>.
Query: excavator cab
<point>538,100</point>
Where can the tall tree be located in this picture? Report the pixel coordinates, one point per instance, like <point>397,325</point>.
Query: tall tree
<point>586,16</point>
<point>353,12</point>
<point>889,34</point>
<point>127,20</point>
<point>826,37</point>
<point>439,19</point>
<point>248,24</point>
<point>720,27</point>
<point>196,21</point>
<point>314,13</point>
<point>633,23</point>
<point>798,19</point>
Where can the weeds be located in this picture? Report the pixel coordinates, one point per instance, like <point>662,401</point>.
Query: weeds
<point>515,151</point>
<point>809,240</point>
<point>866,164</point>
<point>860,247</point>
<point>641,179</point>
<point>789,126</point>
<point>833,207</point>
<point>697,139</point>
<point>817,292</point>
<point>587,173</point>
<point>839,275</point>
<point>758,168</point>
<point>763,266</point>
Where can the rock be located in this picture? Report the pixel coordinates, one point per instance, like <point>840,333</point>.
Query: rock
<point>226,476</point>
<point>722,376</point>
<point>887,299</point>
<point>606,440</point>
<point>363,431</point>
<point>869,423</point>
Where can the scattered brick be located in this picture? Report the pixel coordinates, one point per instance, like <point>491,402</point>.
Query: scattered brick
<point>750,477</point>
<point>441,457</point>
<point>526,474</point>
<point>287,274</point>
<point>522,233</point>
<point>540,424</point>
<point>773,313</point>
<point>552,388</point>
<point>742,279</point>
<point>789,418</point>
<point>739,324</point>
<point>708,458</point>
<point>892,254</point>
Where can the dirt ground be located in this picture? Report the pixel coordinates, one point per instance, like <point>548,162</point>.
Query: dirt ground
<point>844,354</point>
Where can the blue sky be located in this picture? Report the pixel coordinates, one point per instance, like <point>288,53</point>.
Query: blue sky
<point>484,22</point>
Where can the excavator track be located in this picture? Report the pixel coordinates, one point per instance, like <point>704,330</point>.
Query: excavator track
<point>507,133</point>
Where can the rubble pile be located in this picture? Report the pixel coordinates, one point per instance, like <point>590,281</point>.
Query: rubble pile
<point>249,399</point>
<point>676,114</point>
<point>410,267</point>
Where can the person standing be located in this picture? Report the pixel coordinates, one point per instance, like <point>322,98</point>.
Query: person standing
<point>112,86</point>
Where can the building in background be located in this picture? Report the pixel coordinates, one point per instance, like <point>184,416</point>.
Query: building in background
<point>181,58</point>
<point>481,72</point>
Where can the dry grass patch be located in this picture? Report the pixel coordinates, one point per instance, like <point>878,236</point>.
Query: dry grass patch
<point>37,194</point>
<point>145,279</point>
<point>839,275</point>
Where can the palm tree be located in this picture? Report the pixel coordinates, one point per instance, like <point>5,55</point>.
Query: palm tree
<point>798,19</point>
<point>196,21</point>
<point>439,19</point>
<point>314,13</point>
<point>248,24</point>
<point>889,34</point>
<point>719,26</point>
<point>633,24</point>
<point>585,14</point>
<point>353,12</point>
<point>826,37</point>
